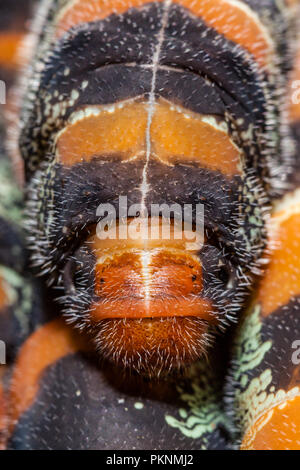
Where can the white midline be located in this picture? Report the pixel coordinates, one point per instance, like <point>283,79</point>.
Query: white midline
<point>146,258</point>
<point>151,104</point>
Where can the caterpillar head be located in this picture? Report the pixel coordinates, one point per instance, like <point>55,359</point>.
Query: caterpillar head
<point>105,142</point>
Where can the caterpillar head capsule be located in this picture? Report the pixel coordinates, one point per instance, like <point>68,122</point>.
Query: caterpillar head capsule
<point>149,309</point>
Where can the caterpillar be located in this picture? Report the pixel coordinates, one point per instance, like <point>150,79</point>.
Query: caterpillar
<point>185,113</point>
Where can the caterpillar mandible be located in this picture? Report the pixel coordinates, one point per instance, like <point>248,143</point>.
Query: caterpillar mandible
<point>168,104</point>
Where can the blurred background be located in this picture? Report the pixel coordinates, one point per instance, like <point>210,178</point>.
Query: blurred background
<point>14,24</point>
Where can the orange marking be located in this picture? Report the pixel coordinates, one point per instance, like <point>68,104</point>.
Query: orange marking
<point>44,347</point>
<point>281,281</point>
<point>176,136</point>
<point>158,279</point>
<point>153,345</point>
<point>3,418</point>
<point>82,11</point>
<point>277,429</point>
<point>235,24</point>
<point>121,133</point>
<point>157,308</point>
<point>167,275</point>
<point>9,43</point>
<point>228,19</point>
<point>292,2</point>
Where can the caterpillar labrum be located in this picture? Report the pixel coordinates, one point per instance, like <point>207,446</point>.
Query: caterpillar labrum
<point>169,104</point>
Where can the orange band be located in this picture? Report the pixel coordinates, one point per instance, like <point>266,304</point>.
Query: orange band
<point>46,346</point>
<point>277,429</point>
<point>244,27</point>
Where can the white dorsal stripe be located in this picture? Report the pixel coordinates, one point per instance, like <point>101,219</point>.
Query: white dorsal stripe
<point>151,103</point>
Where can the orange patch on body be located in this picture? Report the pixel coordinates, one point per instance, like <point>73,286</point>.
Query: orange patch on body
<point>83,11</point>
<point>281,281</point>
<point>150,314</point>
<point>3,295</point>
<point>153,345</point>
<point>146,278</point>
<point>179,138</point>
<point>277,429</point>
<point>121,132</point>
<point>235,23</point>
<point>160,308</point>
<point>168,286</point>
<point>176,135</point>
<point>43,348</point>
<point>3,418</point>
<point>9,43</point>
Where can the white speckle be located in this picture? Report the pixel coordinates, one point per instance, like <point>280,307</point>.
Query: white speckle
<point>139,406</point>
<point>75,95</point>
